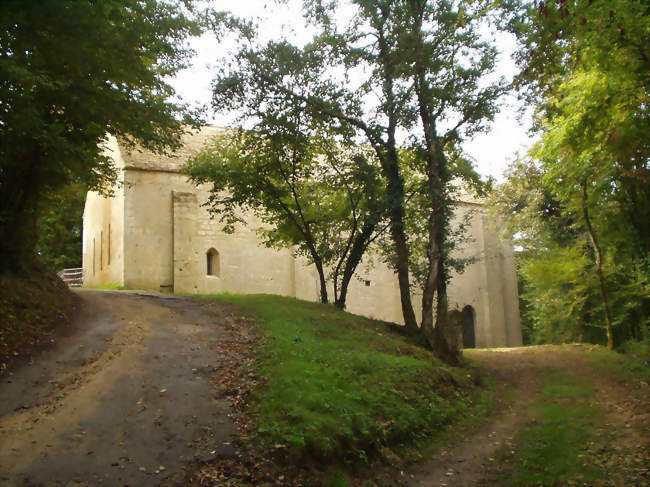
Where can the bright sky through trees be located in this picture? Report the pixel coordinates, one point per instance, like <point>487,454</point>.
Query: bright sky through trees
<point>491,151</point>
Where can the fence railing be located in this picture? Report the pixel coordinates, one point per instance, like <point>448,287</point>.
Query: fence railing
<point>72,277</point>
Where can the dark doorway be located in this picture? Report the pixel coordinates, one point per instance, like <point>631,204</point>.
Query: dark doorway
<point>469,338</point>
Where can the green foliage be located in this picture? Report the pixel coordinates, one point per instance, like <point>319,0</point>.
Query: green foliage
<point>581,208</point>
<point>59,228</point>
<point>73,72</point>
<point>320,199</point>
<point>395,68</point>
<point>559,288</point>
<point>337,386</point>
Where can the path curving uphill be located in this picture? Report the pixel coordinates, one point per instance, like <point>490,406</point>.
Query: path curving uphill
<point>123,399</point>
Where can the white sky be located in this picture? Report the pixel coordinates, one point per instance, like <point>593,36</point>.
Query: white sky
<point>491,151</point>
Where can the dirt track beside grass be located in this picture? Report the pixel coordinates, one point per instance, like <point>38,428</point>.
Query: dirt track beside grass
<point>123,399</point>
<point>518,374</point>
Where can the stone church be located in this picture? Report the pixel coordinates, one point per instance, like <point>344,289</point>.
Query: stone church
<point>154,234</point>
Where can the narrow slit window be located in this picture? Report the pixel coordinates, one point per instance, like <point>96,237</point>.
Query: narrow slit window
<point>213,263</point>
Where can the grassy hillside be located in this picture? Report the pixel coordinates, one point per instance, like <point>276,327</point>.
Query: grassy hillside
<point>31,303</point>
<point>342,389</point>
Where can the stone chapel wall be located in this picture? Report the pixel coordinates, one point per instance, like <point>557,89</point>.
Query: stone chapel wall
<point>103,232</point>
<point>161,238</point>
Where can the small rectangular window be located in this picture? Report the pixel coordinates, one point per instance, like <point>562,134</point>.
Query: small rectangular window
<point>101,251</point>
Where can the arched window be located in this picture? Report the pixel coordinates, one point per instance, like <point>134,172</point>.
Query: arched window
<point>213,263</point>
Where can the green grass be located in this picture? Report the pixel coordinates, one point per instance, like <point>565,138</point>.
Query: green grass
<point>337,387</point>
<point>118,287</point>
<point>107,287</point>
<point>551,452</point>
<point>630,362</point>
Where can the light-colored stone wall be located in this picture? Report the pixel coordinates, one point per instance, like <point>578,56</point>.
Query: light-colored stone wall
<point>103,232</point>
<point>472,286</point>
<point>168,235</point>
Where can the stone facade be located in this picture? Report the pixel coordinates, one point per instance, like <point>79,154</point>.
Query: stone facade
<point>155,234</point>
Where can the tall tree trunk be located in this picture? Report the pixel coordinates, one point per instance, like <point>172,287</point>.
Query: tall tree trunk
<point>444,348</point>
<point>398,234</point>
<point>390,166</point>
<point>599,267</point>
<point>437,223</point>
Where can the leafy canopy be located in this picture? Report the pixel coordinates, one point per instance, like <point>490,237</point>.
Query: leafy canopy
<point>72,72</point>
<point>586,63</point>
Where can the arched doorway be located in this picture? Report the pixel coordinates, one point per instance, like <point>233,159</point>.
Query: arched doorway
<point>469,337</point>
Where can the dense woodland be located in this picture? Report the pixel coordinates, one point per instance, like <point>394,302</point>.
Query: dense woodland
<point>324,157</point>
<point>578,203</point>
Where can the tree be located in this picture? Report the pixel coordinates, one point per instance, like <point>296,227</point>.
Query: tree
<point>72,72</point>
<point>447,65</point>
<point>421,62</point>
<point>557,289</point>
<point>280,73</point>
<point>317,198</point>
<point>587,64</point>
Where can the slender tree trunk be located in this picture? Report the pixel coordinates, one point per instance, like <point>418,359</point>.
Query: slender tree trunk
<point>437,223</point>
<point>354,258</point>
<point>599,267</point>
<point>390,166</point>
<point>445,349</point>
<point>321,277</point>
<point>398,234</point>
<point>339,297</point>
<point>429,289</point>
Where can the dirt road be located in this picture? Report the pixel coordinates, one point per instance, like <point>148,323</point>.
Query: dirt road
<point>123,399</point>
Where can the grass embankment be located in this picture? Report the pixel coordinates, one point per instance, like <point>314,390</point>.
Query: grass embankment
<point>337,387</point>
<point>31,303</point>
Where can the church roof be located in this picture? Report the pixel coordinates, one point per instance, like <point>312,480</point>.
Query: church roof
<point>191,144</point>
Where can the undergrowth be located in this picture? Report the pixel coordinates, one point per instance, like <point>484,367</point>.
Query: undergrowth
<point>31,303</point>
